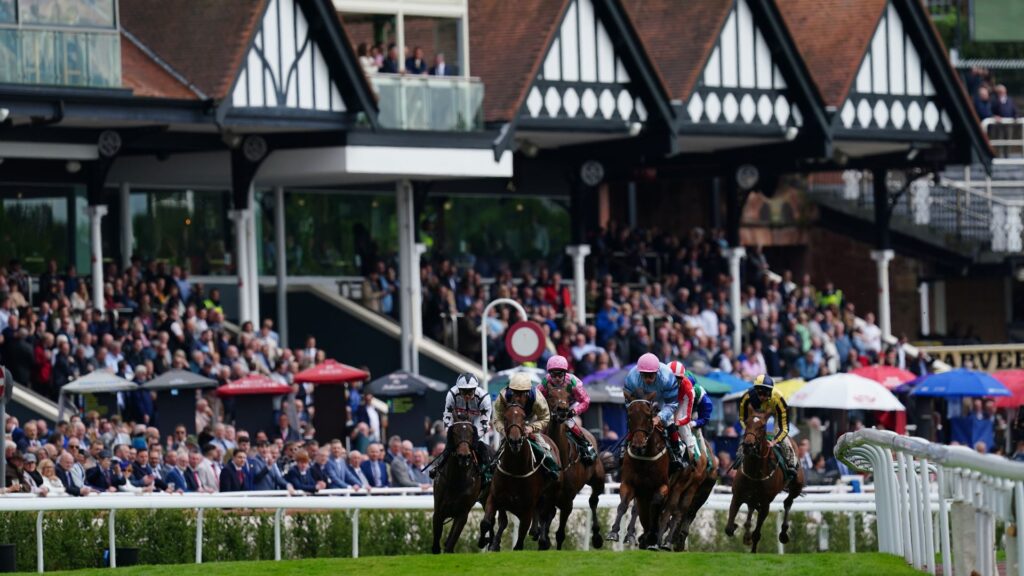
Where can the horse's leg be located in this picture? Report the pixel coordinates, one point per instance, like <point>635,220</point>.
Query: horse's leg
<point>438,531</point>
<point>563,519</point>
<point>524,527</point>
<point>703,492</point>
<point>502,525</point>
<point>595,521</point>
<point>455,532</point>
<point>631,529</point>
<point>746,525</point>
<point>795,488</point>
<point>487,524</point>
<point>734,508</point>
<point>762,515</point>
<point>625,496</point>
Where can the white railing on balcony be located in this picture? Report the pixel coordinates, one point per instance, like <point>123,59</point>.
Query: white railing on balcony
<point>442,103</point>
<point>1007,138</point>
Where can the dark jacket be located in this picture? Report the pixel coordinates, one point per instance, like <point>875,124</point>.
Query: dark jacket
<point>96,478</point>
<point>367,468</point>
<point>230,481</point>
<point>301,481</point>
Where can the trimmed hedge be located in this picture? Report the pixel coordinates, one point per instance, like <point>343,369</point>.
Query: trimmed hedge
<point>77,539</point>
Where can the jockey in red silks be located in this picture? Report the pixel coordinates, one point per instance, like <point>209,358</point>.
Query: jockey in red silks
<point>559,376</point>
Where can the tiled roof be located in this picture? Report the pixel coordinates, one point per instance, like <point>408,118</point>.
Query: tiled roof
<point>203,40</point>
<point>147,77</point>
<point>507,42</point>
<point>678,37</point>
<point>832,36</point>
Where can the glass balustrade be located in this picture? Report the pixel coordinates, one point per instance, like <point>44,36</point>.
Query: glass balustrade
<point>60,57</point>
<point>442,103</point>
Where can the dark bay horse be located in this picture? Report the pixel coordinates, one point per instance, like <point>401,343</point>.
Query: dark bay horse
<point>644,470</point>
<point>457,487</point>
<point>759,481</point>
<point>690,490</point>
<point>574,473</point>
<point>518,484</point>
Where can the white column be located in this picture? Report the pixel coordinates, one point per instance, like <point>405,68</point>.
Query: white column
<point>251,250</point>
<point>882,259</point>
<point>926,313</point>
<point>579,253</point>
<point>406,247</point>
<point>281,266</point>
<point>416,305</point>
<point>734,255</point>
<point>127,233</point>
<point>241,264</point>
<point>96,214</point>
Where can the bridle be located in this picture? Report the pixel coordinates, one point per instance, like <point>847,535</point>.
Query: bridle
<point>648,434</point>
<point>762,457</point>
<point>516,445</point>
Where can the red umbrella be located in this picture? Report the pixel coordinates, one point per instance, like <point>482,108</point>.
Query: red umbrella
<point>888,376</point>
<point>331,372</point>
<point>1014,381</point>
<point>253,384</point>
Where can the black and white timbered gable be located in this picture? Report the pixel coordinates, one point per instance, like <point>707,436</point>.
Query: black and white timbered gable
<point>893,92</point>
<point>286,67</point>
<point>582,78</point>
<point>741,83</point>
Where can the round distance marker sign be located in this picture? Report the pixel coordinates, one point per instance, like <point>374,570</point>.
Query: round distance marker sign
<point>524,341</point>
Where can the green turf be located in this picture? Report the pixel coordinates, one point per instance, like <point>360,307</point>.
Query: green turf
<point>519,563</point>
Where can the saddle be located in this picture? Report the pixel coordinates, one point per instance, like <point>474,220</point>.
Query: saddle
<point>780,458</point>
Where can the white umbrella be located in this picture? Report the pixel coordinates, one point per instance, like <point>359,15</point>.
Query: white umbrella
<point>846,392</point>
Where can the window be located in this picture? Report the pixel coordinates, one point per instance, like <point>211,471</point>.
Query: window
<point>34,227</point>
<point>78,13</point>
<point>187,228</point>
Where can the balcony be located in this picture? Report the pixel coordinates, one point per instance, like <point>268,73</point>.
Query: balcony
<point>60,57</point>
<point>441,103</point>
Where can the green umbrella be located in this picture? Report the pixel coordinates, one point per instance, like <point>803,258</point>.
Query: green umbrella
<point>712,386</point>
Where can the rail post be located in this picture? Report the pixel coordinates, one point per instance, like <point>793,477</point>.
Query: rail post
<point>199,536</point>
<point>39,542</point>
<point>355,533</point>
<point>112,546</point>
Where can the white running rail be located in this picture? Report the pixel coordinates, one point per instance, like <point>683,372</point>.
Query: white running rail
<point>1006,135</point>
<point>990,486</point>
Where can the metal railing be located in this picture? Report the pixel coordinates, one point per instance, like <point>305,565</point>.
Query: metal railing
<point>443,103</point>
<point>1006,135</point>
<point>990,486</point>
<point>280,502</point>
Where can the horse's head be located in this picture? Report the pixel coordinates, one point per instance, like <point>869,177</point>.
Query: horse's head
<point>559,399</point>
<point>755,434</point>
<point>640,414</point>
<point>515,426</point>
<point>462,435</point>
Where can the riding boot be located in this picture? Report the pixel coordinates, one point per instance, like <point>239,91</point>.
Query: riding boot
<point>676,450</point>
<point>587,452</point>
<point>483,456</point>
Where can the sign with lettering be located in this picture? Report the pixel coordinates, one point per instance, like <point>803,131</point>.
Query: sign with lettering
<point>987,358</point>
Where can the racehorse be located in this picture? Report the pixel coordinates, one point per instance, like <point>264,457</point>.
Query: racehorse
<point>518,484</point>
<point>574,473</point>
<point>690,490</point>
<point>644,469</point>
<point>761,478</point>
<point>457,487</point>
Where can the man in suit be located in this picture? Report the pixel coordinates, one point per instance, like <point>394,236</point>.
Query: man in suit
<point>319,467</point>
<point>338,471</point>
<point>375,469</point>
<point>401,475</point>
<point>390,65</point>
<point>354,467</point>
<point>265,474</point>
<point>173,474</point>
<point>67,462</point>
<point>191,473</point>
<point>285,431</point>
<point>209,470</point>
<point>441,68</point>
<point>236,476</point>
<point>300,477</point>
<point>103,477</point>
<point>142,474</point>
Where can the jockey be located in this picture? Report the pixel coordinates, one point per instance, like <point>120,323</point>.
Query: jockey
<point>650,375</point>
<point>520,391</point>
<point>558,376</point>
<point>763,397</point>
<point>685,411</point>
<point>466,401</point>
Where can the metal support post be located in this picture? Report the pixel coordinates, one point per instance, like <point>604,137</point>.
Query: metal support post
<point>735,254</point>
<point>241,265</point>
<point>199,536</point>
<point>281,266</point>
<point>579,253</point>
<point>483,331</point>
<point>112,546</point>
<point>882,259</point>
<point>277,533</point>
<point>127,232</point>
<point>355,533</point>
<point>406,246</point>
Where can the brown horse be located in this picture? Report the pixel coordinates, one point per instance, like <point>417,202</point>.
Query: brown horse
<point>759,481</point>
<point>574,473</point>
<point>690,490</point>
<point>457,487</point>
<point>644,469</point>
<point>518,484</point>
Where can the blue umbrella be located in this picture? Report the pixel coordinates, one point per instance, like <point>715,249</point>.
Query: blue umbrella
<point>735,383</point>
<point>959,382</point>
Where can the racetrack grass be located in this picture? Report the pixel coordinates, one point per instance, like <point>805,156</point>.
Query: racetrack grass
<point>552,562</point>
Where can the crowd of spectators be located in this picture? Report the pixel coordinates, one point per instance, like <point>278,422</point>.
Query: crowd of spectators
<point>93,454</point>
<point>655,291</point>
<point>376,58</point>
<point>991,99</point>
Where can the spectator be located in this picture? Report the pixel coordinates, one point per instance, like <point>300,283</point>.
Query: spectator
<point>300,477</point>
<point>236,476</point>
<point>390,64</point>
<point>104,477</point>
<point>1003,106</point>
<point>53,484</point>
<point>401,474</point>
<point>173,472</point>
<point>441,68</point>
<point>416,64</point>
<point>725,469</point>
<point>375,469</point>
<point>982,103</point>
<point>208,470</point>
<point>67,462</point>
